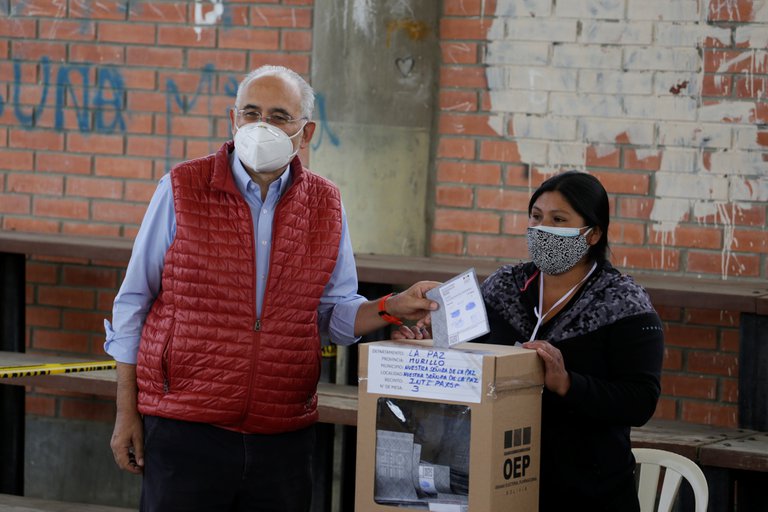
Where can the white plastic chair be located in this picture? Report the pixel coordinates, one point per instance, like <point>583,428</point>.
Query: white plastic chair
<point>676,467</point>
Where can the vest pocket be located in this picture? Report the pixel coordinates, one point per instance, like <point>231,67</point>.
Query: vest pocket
<point>315,376</point>
<point>165,359</point>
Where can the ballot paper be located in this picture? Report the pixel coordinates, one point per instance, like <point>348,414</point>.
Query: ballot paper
<point>461,316</point>
<point>394,468</point>
<point>402,479</point>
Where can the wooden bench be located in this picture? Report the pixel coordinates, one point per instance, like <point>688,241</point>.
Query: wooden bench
<point>735,461</point>
<point>11,503</point>
<point>337,404</point>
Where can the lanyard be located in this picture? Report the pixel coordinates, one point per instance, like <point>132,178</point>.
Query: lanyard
<point>537,310</point>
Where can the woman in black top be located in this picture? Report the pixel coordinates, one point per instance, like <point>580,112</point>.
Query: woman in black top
<point>598,336</point>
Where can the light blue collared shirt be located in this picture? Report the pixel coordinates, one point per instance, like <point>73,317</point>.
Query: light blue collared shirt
<point>338,305</point>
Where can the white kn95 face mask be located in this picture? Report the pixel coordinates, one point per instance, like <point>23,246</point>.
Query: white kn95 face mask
<point>263,147</point>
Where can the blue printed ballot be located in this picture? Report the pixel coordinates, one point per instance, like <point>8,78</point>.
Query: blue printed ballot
<point>461,316</point>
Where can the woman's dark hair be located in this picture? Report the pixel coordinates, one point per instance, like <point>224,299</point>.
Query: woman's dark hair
<point>588,197</point>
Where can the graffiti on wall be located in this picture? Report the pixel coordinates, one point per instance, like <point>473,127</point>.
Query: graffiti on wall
<point>207,12</point>
<point>98,103</point>
<point>70,87</point>
<point>323,128</point>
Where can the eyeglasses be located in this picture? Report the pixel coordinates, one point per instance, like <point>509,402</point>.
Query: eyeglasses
<point>277,119</point>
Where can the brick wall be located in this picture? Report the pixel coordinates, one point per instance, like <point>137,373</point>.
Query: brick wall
<point>664,101</point>
<point>97,101</point>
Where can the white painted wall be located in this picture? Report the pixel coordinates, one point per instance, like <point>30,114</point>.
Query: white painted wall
<point>583,72</point>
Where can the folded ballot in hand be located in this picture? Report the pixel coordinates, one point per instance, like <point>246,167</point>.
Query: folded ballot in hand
<point>461,316</point>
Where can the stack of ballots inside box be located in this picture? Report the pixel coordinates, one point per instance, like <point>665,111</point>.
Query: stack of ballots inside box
<point>422,453</point>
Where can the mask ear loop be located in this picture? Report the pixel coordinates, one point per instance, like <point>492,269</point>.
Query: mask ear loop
<point>300,130</point>
<point>590,230</point>
<point>295,134</point>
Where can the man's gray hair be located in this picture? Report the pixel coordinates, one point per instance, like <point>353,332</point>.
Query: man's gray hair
<point>307,93</point>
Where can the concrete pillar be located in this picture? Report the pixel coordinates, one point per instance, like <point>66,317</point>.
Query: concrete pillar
<point>374,68</point>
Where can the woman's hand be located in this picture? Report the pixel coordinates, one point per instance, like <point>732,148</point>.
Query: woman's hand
<point>556,378</point>
<point>411,332</point>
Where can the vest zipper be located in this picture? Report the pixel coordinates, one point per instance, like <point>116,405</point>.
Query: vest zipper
<point>257,325</point>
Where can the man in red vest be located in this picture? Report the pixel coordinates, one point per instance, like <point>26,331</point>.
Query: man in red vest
<point>242,259</point>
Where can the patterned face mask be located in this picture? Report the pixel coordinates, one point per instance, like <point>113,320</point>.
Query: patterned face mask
<point>556,250</point>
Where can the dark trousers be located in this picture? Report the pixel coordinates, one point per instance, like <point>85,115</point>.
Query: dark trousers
<point>195,467</point>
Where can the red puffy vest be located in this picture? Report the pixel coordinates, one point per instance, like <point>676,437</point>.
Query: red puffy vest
<point>204,356</point>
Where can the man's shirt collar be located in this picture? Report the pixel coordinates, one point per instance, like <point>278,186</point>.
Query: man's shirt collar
<point>246,184</point>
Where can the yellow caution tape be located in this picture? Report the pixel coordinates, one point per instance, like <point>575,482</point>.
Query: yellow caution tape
<point>11,372</point>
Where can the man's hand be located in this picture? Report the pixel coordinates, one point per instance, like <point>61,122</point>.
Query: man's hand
<point>412,304</point>
<point>128,436</point>
<point>128,442</point>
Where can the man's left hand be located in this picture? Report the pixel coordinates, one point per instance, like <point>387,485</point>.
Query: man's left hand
<point>413,304</point>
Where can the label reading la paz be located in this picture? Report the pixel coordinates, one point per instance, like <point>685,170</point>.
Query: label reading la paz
<point>453,375</point>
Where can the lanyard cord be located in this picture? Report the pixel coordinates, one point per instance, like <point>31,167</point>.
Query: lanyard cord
<point>537,310</point>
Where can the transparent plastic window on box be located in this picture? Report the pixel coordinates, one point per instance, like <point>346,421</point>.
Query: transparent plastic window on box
<point>422,454</point>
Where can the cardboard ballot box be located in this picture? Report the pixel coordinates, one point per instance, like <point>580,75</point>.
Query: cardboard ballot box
<point>448,430</point>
